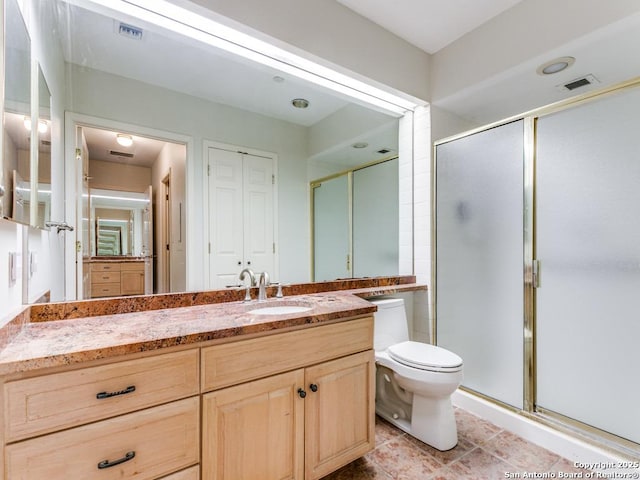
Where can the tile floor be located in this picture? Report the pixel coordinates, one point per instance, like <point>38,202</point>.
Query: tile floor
<point>484,452</point>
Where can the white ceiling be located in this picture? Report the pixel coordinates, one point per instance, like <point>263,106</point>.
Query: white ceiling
<point>429,24</point>
<point>609,53</point>
<point>101,143</point>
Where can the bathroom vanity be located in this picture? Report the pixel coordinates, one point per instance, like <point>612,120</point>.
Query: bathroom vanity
<point>116,277</point>
<point>239,394</point>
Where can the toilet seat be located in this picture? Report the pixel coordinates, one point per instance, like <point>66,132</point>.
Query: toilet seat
<point>425,357</point>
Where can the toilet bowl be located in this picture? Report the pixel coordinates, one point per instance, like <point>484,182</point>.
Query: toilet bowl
<point>414,381</point>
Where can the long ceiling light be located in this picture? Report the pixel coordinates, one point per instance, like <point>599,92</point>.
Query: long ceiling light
<point>198,27</point>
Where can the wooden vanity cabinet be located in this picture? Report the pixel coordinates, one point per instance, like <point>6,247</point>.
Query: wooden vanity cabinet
<point>67,424</point>
<point>300,424</point>
<point>114,279</point>
<point>297,405</point>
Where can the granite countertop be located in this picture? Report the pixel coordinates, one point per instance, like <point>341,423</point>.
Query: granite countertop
<point>49,344</point>
<point>114,258</point>
<point>42,342</point>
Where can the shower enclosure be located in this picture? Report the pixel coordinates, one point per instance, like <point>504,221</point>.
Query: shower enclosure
<point>537,262</point>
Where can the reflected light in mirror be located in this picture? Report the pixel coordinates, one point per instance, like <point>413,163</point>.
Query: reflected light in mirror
<point>208,31</point>
<point>42,125</point>
<point>124,140</point>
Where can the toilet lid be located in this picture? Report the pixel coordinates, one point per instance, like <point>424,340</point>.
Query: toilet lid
<point>425,357</point>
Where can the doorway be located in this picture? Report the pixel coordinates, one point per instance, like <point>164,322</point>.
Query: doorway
<point>125,169</point>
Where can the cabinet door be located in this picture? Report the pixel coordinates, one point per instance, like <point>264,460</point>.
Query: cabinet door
<point>340,414</point>
<point>254,430</point>
<point>132,281</point>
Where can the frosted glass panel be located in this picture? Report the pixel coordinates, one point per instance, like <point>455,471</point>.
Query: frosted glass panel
<point>479,270</point>
<point>331,229</point>
<point>375,220</point>
<point>588,243</point>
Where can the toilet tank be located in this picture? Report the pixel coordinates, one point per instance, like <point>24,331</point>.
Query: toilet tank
<point>390,322</point>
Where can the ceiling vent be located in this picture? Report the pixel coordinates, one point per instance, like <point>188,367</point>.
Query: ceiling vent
<point>578,83</point>
<point>115,153</point>
<point>129,31</point>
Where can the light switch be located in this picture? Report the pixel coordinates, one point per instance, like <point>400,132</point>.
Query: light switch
<point>13,268</point>
<point>33,263</point>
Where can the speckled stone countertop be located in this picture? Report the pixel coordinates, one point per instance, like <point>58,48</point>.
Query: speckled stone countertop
<point>34,343</point>
<point>114,258</point>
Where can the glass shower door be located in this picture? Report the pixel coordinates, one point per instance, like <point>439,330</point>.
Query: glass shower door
<point>479,258</point>
<point>331,229</point>
<point>588,245</point>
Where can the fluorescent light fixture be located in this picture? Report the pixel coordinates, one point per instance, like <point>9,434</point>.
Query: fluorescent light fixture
<point>124,140</point>
<point>198,27</point>
<point>111,197</point>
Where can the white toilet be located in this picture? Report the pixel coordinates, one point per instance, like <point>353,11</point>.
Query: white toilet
<point>414,381</point>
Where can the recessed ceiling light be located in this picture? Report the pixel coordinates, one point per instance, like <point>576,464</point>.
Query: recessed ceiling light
<point>300,102</point>
<point>360,145</point>
<point>124,140</point>
<point>554,66</point>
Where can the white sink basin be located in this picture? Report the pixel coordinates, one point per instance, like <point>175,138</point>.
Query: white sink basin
<point>280,310</point>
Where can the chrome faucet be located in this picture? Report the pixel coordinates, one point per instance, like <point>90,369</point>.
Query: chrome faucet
<point>263,283</point>
<point>252,276</point>
<point>252,283</point>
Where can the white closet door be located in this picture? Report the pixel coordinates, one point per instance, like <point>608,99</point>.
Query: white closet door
<point>225,217</point>
<point>258,213</point>
<point>241,216</point>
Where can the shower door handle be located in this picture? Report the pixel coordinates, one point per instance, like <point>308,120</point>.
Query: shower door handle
<point>535,274</point>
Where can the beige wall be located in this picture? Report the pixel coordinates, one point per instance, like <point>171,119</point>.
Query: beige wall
<point>119,176</point>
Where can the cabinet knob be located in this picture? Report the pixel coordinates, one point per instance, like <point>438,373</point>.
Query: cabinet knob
<point>239,262</point>
<point>313,387</point>
<point>302,393</point>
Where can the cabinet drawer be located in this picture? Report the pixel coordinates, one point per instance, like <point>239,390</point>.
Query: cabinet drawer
<point>237,362</point>
<point>192,473</point>
<point>132,267</point>
<point>105,289</point>
<point>52,402</point>
<point>105,277</point>
<point>160,440</point>
<point>105,267</point>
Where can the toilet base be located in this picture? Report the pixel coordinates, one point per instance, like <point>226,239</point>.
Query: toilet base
<point>432,422</point>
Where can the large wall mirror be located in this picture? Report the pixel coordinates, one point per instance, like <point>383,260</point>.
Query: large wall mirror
<point>129,77</point>
<point>16,157</point>
<point>42,214</point>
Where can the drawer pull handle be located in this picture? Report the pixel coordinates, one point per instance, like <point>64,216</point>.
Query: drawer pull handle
<point>106,463</point>
<point>129,389</point>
